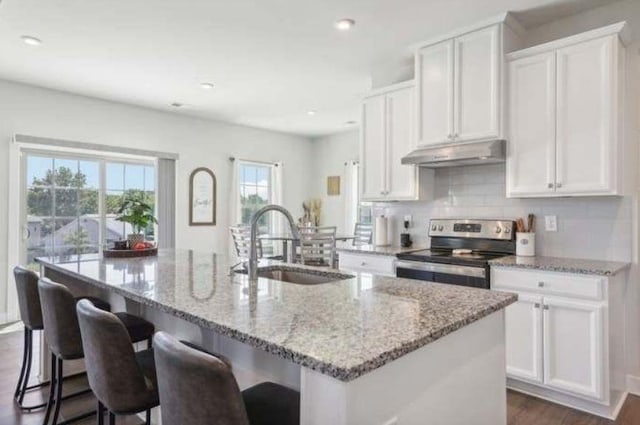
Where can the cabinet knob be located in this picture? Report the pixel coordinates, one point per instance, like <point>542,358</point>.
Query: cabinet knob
<point>550,185</point>
<point>546,307</point>
<point>455,136</point>
<point>450,136</point>
<point>558,185</point>
<point>540,284</point>
<point>536,305</point>
<point>363,263</point>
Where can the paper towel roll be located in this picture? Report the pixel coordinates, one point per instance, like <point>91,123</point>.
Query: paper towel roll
<point>381,231</point>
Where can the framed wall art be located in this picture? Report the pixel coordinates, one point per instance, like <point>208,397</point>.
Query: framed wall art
<point>202,197</point>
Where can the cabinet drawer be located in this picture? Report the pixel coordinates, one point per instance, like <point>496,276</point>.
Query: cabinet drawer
<point>551,283</point>
<point>376,264</point>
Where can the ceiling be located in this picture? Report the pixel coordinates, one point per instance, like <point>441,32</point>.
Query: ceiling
<point>270,61</point>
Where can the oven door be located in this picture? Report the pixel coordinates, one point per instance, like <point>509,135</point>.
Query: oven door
<point>475,277</point>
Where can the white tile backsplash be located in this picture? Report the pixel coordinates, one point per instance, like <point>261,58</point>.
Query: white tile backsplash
<point>596,228</point>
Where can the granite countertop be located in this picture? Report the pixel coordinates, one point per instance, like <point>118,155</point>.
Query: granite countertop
<point>343,329</point>
<point>565,265</point>
<point>380,250</point>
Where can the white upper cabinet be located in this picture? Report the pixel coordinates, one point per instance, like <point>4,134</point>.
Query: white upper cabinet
<point>476,84</point>
<point>565,116</point>
<point>586,127</point>
<point>400,141</point>
<point>459,86</point>
<point>388,125</point>
<point>373,152</point>
<point>531,166</point>
<point>434,71</point>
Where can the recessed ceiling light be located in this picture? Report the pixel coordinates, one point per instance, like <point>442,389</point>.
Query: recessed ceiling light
<point>31,41</point>
<point>311,112</point>
<point>206,86</point>
<point>345,24</point>
<point>177,105</point>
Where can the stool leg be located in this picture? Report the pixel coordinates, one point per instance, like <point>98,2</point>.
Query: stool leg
<point>149,343</point>
<point>100,413</point>
<point>148,417</point>
<point>59,382</point>
<point>24,364</point>
<point>112,419</point>
<point>52,388</point>
<point>29,342</point>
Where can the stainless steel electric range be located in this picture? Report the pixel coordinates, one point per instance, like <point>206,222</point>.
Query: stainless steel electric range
<point>460,252</point>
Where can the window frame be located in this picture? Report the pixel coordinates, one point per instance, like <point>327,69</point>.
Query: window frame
<point>68,154</point>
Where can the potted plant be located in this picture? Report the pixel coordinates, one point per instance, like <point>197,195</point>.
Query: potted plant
<point>139,214</point>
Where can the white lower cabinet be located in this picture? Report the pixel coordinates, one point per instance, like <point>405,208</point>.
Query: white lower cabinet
<point>573,341</point>
<point>523,321</point>
<point>382,265</point>
<point>560,344</point>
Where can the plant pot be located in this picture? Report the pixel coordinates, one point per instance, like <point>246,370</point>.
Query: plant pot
<point>134,238</point>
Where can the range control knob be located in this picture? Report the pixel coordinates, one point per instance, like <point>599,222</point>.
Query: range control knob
<point>498,229</point>
<point>440,228</point>
<point>507,230</point>
<point>434,227</point>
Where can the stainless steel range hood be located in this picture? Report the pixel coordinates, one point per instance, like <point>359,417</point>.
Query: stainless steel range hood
<point>457,154</point>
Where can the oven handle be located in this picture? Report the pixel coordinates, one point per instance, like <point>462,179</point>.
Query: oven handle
<point>442,268</point>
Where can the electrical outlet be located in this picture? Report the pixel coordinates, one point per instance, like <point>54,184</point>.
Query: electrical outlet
<point>550,223</point>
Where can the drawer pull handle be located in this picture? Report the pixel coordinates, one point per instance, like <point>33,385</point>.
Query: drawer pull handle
<point>540,284</point>
<point>546,307</point>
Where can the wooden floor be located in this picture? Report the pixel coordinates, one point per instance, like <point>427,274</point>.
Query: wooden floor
<point>522,409</point>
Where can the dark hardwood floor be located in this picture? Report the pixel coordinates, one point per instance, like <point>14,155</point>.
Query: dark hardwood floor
<point>522,409</point>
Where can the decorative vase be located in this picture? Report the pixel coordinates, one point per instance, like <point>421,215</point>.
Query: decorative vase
<point>134,238</point>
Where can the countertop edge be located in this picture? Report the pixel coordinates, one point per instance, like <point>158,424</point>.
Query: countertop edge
<point>340,373</point>
<point>558,267</point>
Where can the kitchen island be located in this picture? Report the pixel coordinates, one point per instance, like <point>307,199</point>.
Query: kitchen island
<point>362,350</point>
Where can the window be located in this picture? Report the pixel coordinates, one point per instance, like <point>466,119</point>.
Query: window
<point>70,203</point>
<point>255,192</point>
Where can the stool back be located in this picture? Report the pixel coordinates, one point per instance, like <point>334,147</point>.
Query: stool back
<point>28,298</point>
<point>195,388</point>
<point>113,372</point>
<point>60,320</point>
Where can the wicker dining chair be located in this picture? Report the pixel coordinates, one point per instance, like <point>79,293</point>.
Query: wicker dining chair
<point>363,234</point>
<point>318,246</point>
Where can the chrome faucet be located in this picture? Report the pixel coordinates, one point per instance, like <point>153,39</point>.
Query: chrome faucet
<point>253,248</point>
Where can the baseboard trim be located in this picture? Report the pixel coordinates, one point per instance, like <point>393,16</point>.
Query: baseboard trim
<point>633,384</point>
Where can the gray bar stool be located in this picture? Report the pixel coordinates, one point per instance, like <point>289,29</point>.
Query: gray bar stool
<point>196,388</point>
<point>63,336</point>
<point>31,315</point>
<point>124,381</point>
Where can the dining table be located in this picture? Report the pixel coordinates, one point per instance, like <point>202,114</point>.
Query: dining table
<point>286,238</point>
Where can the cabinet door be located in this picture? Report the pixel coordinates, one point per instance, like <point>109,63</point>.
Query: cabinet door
<point>434,75</point>
<point>573,346</point>
<point>532,126</point>
<point>586,133</point>
<point>523,321</point>
<point>401,179</point>
<point>476,85</point>
<point>373,148</point>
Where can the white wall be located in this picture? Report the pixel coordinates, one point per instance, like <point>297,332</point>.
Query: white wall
<point>329,155</point>
<point>46,113</point>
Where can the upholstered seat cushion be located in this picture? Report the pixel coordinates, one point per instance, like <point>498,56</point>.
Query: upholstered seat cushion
<point>220,357</point>
<point>101,304</point>
<point>272,404</point>
<point>138,328</point>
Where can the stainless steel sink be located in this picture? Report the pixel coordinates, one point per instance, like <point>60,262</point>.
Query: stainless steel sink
<point>299,276</point>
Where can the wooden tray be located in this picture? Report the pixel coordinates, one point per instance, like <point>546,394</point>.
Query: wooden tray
<point>129,253</point>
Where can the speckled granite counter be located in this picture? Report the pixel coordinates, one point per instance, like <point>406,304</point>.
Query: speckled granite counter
<point>379,250</point>
<point>342,329</point>
<point>565,265</point>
